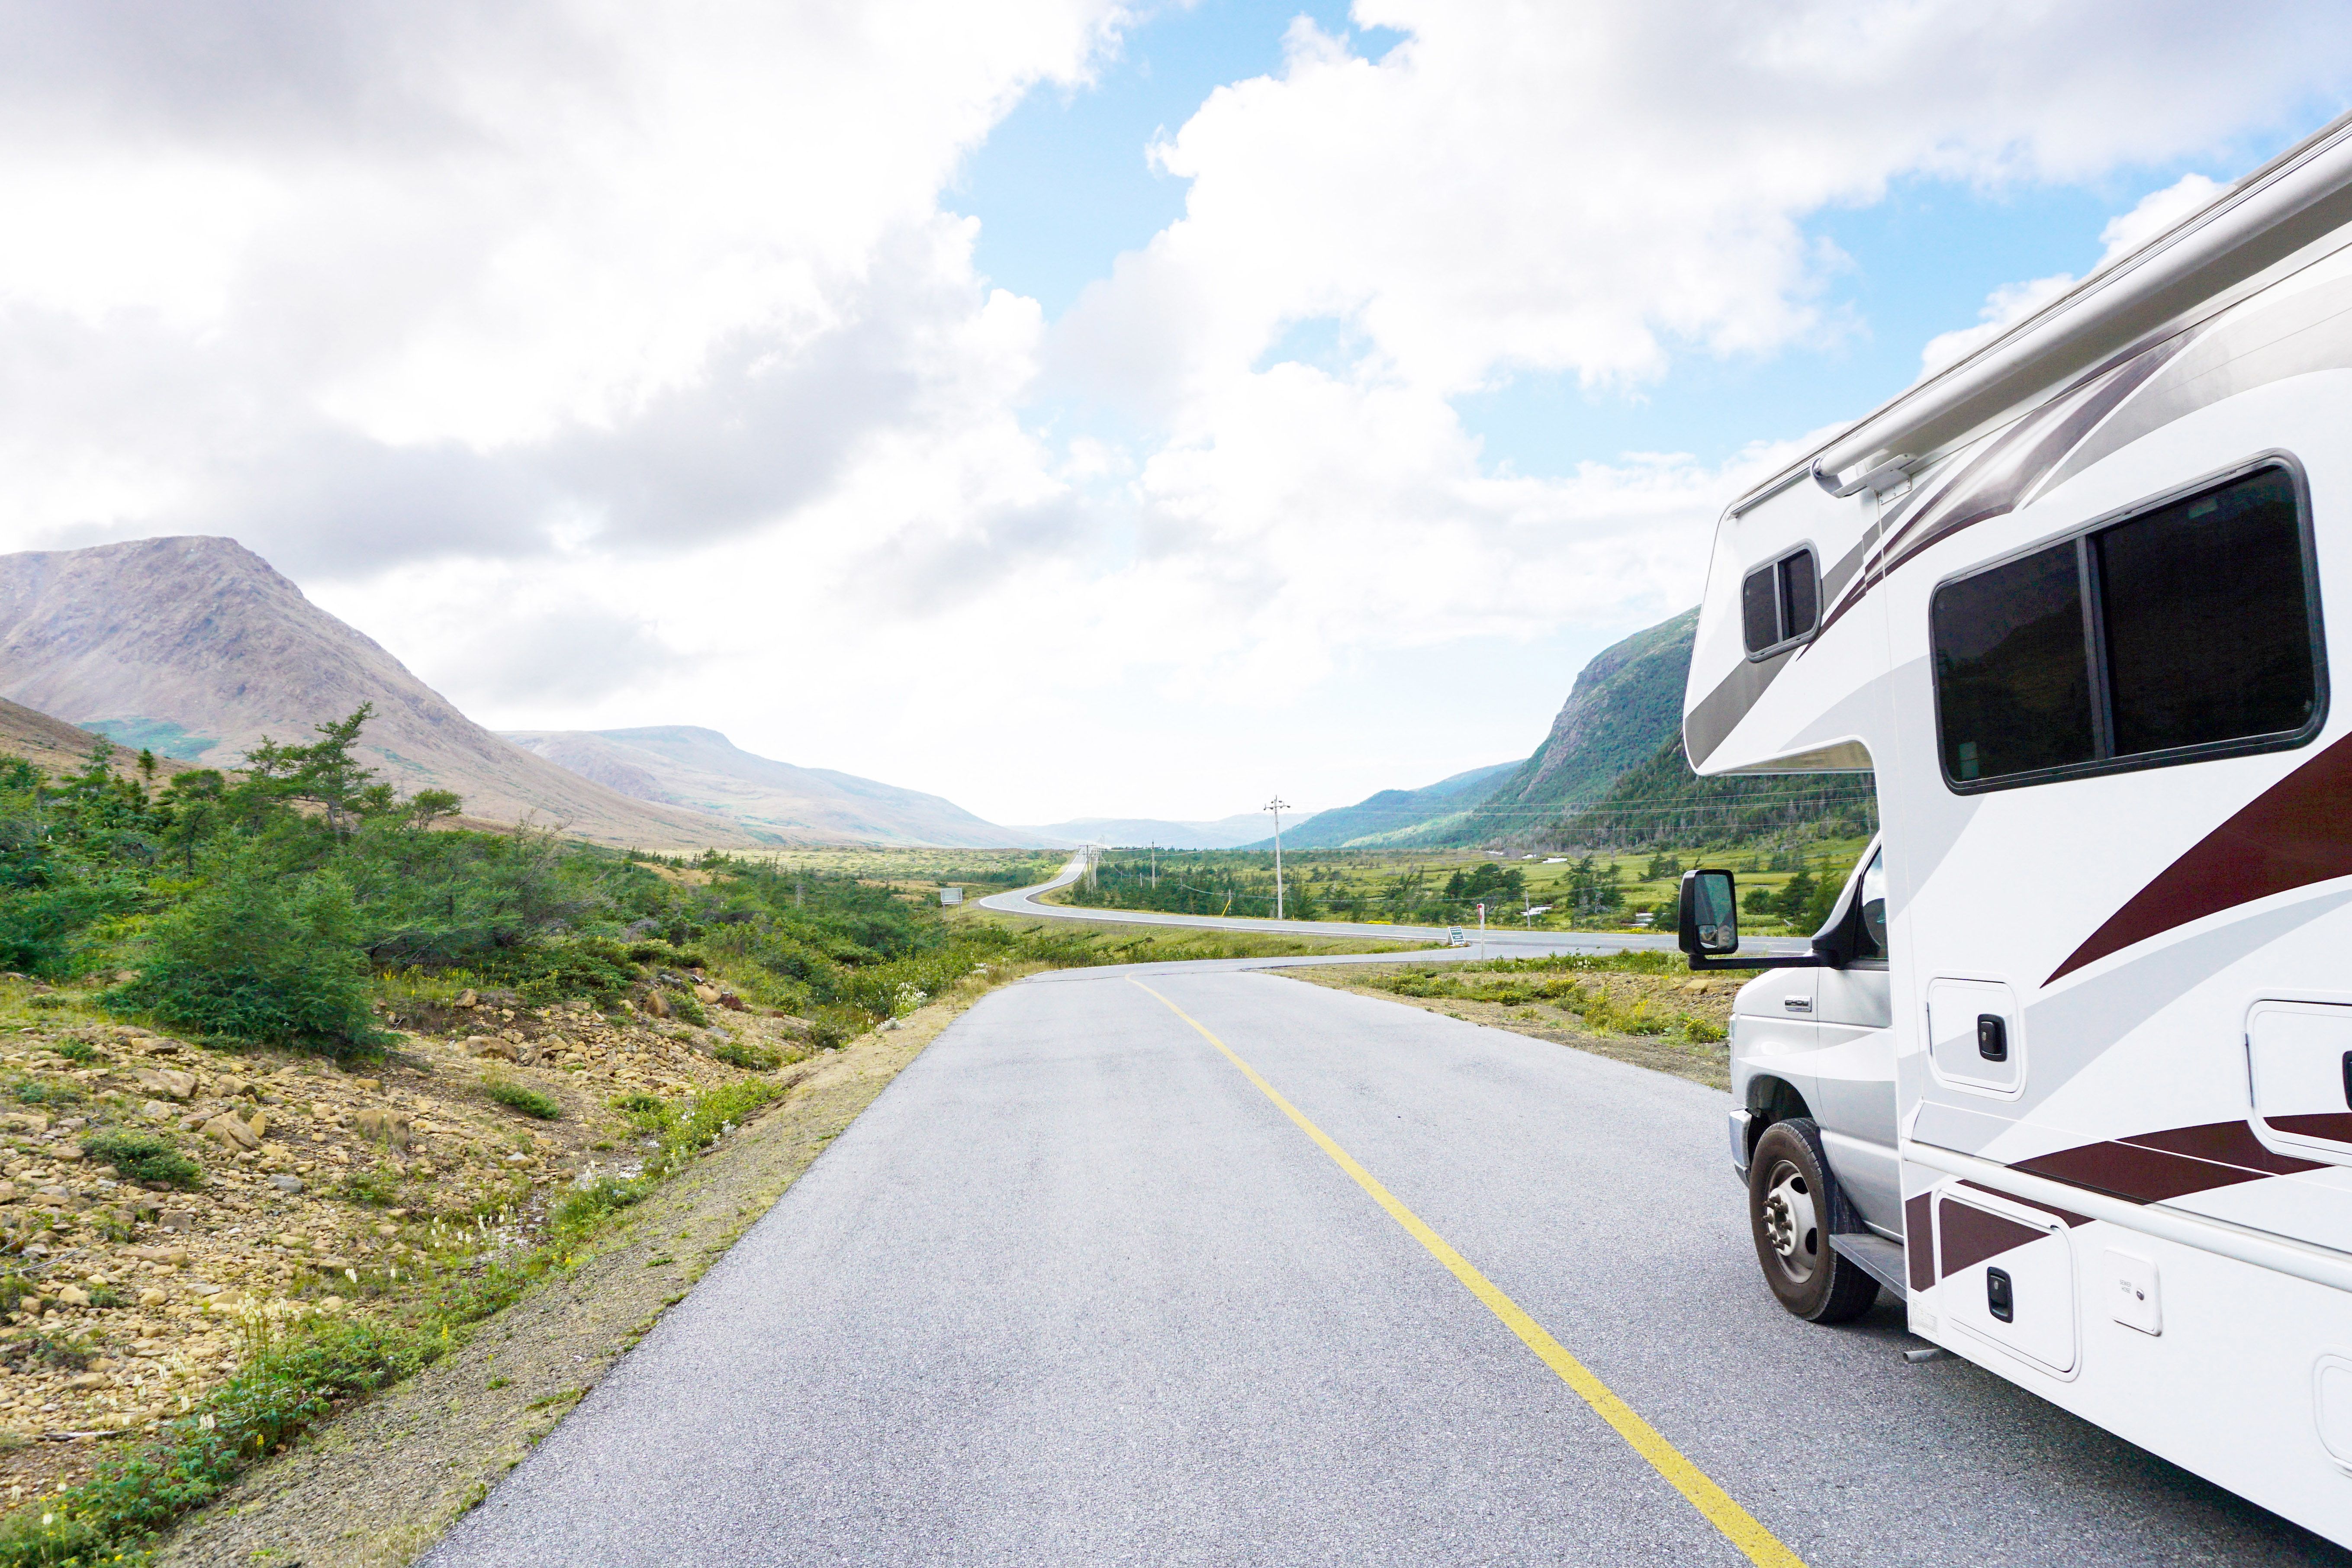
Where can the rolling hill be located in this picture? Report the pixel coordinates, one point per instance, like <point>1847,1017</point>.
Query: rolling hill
<point>701,770</point>
<point>1226,833</point>
<point>197,647</point>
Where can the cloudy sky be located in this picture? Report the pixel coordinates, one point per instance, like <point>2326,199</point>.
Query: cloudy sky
<point>1066,407</point>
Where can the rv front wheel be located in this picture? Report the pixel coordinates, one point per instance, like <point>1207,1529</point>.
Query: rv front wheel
<point>1788,1210</point>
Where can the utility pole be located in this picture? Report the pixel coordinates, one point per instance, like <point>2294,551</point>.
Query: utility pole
<point>1155,864</point>
<point>1277,805</point>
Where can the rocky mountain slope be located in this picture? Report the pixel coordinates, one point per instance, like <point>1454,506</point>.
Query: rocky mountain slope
<point>196,646</point>
<point>703,771</point>
<point>1625,704</point>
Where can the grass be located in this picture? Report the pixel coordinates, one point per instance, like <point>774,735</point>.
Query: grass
<point>749,1057</point>
<point>1337,876</point>
<point>1554,981</point>
<point>291,1377</point>
<point>297,1372</point>
<point>1098,942</point>
<point>521,1097</point>
<point>144,1157</point>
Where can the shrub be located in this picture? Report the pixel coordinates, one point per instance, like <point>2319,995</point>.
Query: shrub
<point>1702,1030</point>
<point>518,1097</point>
<point>637,1104</point>
<point>586,1207</point>
<point>80,1051</point>
<point>585,967</point>
<point>256,957</point>
<point>378,1186</point>
<point>144,1157</point>
<point>33,1091</point>
<point>833,1028</point>
<point>749,1057</point>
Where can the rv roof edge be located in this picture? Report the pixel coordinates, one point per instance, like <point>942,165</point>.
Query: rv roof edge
<point>2303,197</point>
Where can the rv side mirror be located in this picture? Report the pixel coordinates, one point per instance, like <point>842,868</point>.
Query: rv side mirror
<point>1710,914</point>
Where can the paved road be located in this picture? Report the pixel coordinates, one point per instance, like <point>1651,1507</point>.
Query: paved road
<point>1501,941</point>
<point>1076,1291</point>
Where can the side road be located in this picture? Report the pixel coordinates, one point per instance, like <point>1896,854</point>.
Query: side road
<point>383,1482</point>
<point>1500,941</point>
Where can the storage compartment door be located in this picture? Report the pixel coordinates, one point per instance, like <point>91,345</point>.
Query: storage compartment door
<point>2007,1276</point>
<point>1974,1041</point>
<point>2299,1055</point>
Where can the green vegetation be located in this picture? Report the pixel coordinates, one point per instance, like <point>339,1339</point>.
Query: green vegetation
<point>294,1373</point>
<point>138,1156</point>
<point>1555,981</point>
<point>1592,891</point>
<point>528,1102</point>
<point>300,904</point>
<point>749,1057</point>
<point>289,1381</point>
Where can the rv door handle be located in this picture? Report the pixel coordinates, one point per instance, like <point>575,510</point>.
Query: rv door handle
<point>1992,1041</point>
<point>2347,1080</point>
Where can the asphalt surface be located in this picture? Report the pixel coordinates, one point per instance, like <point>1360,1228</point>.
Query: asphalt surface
<point>1073,1292</point>
<point>1500,940</point>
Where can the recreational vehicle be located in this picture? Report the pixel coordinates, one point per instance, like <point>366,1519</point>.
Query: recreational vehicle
<point>2070,1069</point>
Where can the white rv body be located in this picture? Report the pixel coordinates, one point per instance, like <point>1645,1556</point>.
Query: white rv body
<point>2157,941</point>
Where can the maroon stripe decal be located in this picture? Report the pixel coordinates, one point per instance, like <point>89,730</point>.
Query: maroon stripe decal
<point>1919,1240</point>
<point>2224,1143</point>
<point>1968,1234</point>
<point>2294,834</point>
<point>2335,1126</point>
<point>2150,1168</point>
<point>2068,1215</point>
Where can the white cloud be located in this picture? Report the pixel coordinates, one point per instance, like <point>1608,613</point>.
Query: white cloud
<point>2123,234</point>
<point>621,365</point>
<point>2003,308</point>
<point>2155,213</point>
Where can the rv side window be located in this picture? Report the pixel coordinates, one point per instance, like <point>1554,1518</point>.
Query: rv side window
<point>1780,604</point>
<point>2012,686</point>
<point>2186,631</point>
<point>2208,635</point>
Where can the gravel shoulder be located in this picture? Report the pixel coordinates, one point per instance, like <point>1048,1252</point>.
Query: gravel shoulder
<point>1700,1062</point>
<point>379,1484</point>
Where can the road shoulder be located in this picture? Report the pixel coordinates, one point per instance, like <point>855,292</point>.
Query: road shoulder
<point>379,1485</point>
<point>1700,1062</point>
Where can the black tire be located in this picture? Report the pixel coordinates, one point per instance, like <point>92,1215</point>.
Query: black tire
<point>1791,1200</point>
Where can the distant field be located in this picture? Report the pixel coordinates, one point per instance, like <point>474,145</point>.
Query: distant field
<point>1444,887</point>
<point>1109,942</point>
<point>986,869</point>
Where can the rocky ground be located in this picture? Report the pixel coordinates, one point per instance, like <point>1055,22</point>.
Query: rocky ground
<point>306,1187</point>
<point>381,1482</point>
<point>1656,1002</point>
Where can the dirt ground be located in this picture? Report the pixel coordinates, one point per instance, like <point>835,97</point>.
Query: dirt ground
<point>379,1484</point>
<point>1707,997</point>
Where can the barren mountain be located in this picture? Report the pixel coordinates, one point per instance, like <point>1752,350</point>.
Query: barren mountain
<point>685,765</point>
<point>195,647</point>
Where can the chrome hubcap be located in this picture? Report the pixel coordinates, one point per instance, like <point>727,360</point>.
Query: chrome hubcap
<point>1789,1224</point>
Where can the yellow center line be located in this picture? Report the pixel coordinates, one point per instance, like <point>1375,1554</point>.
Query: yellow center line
<point>1739,1526</point>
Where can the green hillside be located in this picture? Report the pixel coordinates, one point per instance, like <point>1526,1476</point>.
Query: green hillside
<point>1379,818</point>
<point>1662,801</point>
<point>1625,704</point>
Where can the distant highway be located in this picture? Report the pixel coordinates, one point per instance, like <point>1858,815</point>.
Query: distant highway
<point>1502,942</point>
